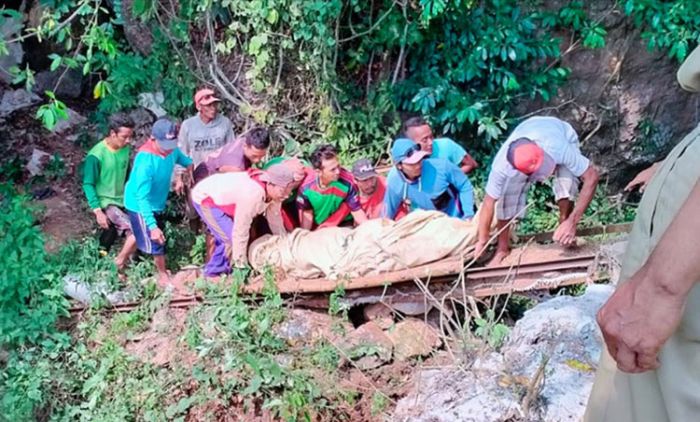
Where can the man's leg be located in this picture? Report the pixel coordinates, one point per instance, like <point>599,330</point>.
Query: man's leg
<point>565,208</point>
<point>146,245</point>
<point>127,250</point>
<point>220,226</point>
<point>503,245</point>
<point>163,276</point>
<point>510,206</point>
<point>565,187</point>
<point>122,224</point>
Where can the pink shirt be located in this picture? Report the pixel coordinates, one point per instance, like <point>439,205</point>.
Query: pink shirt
<point>243,198</point>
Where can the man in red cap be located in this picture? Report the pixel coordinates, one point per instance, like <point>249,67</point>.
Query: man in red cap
<point>538,148</point>
<point>204,133</point>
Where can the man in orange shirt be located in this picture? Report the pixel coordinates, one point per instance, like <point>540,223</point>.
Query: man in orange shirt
<point>372,187</point>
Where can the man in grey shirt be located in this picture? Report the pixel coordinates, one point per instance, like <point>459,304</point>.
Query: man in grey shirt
<point>204,133</point>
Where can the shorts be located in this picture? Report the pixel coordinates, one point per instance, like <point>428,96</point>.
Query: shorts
<point>119,219</point>
<point>513,201</point>
<point>143,234</point>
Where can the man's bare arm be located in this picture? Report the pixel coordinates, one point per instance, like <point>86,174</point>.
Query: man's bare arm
<point>646,310</point>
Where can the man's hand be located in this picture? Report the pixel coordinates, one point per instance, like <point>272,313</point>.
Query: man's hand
<point>180,184</point>
<point>479,248</point>
<point>642,178</point>
<point>565,234</point>
<point>157,235</point>
<point>101,218</point>
<point>637,320</point>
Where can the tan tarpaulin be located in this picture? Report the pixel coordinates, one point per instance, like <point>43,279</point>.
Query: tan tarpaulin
<point>375,247</point>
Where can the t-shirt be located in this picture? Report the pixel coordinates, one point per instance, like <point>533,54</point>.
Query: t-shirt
<point>229,155</point>
<point>242,196</point>
<point>556,137</point>
<point>197,139</point>
<point>449,150</point>
<point>105,175</point>
<point>149,183</point>
<point>325,201</point>
<point>373,205</point>
<point>442,186</point>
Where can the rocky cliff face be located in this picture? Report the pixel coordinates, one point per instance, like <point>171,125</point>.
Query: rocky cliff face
<point>623,99</point>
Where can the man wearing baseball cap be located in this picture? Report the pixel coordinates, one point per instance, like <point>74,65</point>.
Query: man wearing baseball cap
<point>207,131</point>
<point>418,182</point>
<point>538,148</point>
<point>371,187</point>
<point>146,191</point>
<point>228,204</point>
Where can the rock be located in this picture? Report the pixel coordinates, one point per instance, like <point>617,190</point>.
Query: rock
<point>563,329</point>
<point>137,33</point>
<point>368,341</point>
<point>412,307</point>
<point>450,396</point>
<point>17,100</point>
<point>412,337</point>
<point>143,121</point>
<point>38,160</point>
<point>623,98</point>
<point>153,101</point>
<point>71,85</point>
<point>10,28</point>
<point>307,327</point>
<point>380,314</point>
<point>74,119</point>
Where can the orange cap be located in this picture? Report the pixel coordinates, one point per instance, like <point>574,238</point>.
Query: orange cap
<point>204,97</point>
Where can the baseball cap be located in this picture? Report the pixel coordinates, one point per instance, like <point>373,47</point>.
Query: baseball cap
<point>406,151</point>
<point>164,132</point>
<point>204,97</point>
<point>529,158</point>
<point>363,169</point>
<point>279,175</point>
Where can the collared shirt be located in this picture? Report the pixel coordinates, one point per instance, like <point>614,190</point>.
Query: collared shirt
<point>441,186</point>
<point>326,201</point>
<point>556,137</point>
<point>242,197</point>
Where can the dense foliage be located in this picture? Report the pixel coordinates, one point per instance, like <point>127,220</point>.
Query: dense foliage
<point>332,70</point>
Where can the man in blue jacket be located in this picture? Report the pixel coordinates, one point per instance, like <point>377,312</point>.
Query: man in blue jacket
<point>147,190</point>
<point>417,182</point>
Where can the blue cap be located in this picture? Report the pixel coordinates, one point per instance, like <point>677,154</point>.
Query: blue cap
<point>406,151</point>
<point>164,132</point>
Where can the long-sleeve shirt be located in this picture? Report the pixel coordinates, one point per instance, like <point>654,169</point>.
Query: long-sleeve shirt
<point>240,195</point>
<point>149,183</point>
<point>441,186</point>
<point>104,175</point>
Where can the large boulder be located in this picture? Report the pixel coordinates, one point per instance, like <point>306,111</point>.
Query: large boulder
<point>560,334</point>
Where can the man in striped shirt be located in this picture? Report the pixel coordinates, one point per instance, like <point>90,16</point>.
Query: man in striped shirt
<point>329,198</point>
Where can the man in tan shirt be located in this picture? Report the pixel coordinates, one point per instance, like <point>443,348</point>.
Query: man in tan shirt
<point>650,369</point>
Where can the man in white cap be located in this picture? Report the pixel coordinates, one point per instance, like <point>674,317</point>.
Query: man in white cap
<point>538,148</point>
<point>146,191</point>
<point>228,204</point>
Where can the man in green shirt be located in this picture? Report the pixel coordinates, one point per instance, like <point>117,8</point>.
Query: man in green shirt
<point>105,170</point>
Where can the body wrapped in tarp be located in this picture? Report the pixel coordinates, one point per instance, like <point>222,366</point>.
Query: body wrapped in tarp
<point>375,247</point>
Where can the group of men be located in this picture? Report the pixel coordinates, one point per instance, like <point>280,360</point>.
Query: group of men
<point>229,187</point>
